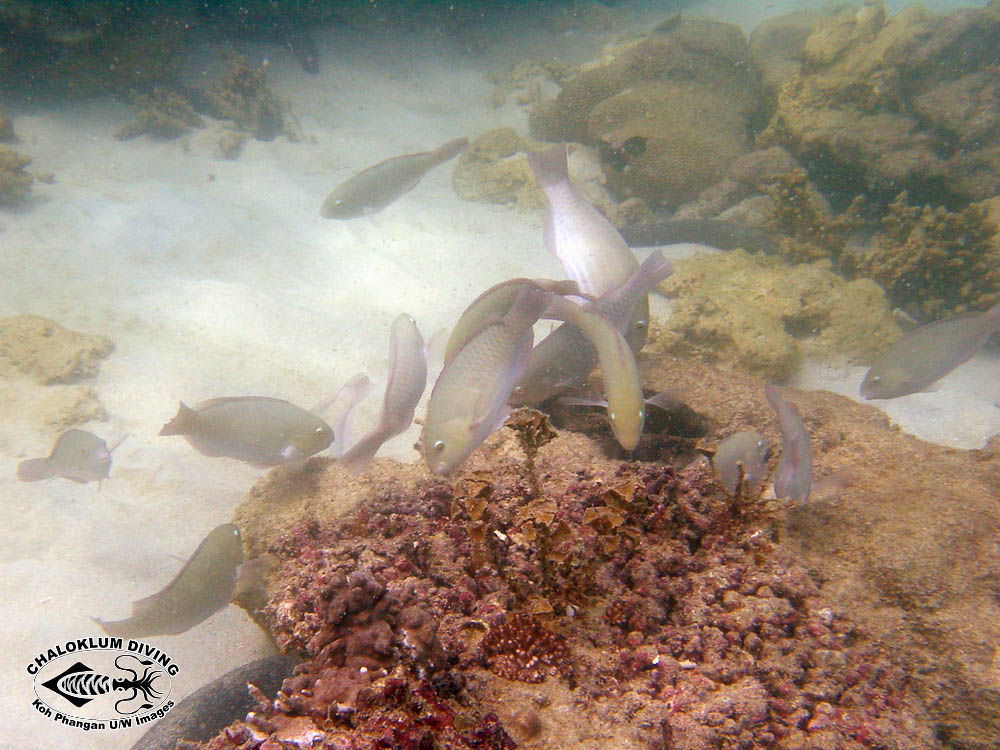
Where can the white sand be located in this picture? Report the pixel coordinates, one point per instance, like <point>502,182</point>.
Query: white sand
<point>218,278</point>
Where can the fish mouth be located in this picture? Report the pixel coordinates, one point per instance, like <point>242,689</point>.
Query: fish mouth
<point>440,469</point>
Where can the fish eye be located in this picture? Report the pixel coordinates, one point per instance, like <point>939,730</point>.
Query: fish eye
<point>439,445</point>
<point>876,379</point>
<point>320,430</point>
<point>611,416</point>
<point>640,325</point>
<point>519,389</point>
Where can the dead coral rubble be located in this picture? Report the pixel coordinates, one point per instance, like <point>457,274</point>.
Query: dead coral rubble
<point>664,617</point>
<point>242,96</point>
<point>163,113</point>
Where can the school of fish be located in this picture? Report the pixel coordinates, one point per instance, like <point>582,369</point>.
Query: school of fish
<point>491,363</point>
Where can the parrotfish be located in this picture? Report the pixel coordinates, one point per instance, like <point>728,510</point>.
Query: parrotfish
<point>259,430</point>
<point>928,353</point>
<point>496,302</point>
<point>406,384</point>
<point>469,400</point>
<point>78,455</point>
<point>748,448</point>
<point>565,358</point>
<point>793,477</point>
<point>372,189</point>
<point>622,388</point>
<point>591,250</point>
<point>350,394</point>
<point>204,585</point>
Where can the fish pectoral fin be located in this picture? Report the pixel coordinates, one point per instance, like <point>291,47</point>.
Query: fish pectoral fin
<point>291,453</point>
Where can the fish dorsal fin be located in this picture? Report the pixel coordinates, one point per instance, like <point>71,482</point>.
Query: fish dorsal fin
<point>210,402</point>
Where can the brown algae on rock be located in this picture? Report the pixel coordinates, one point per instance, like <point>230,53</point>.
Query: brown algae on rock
<point>763,316</point>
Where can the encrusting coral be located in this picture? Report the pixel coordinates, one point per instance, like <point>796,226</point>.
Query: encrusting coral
<point>429,617</point>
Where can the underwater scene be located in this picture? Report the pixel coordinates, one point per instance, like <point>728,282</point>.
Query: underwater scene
<point>425,375</point>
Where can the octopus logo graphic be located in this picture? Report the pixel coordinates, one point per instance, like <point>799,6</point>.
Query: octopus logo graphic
<point>102,683</point>
<point>79,684</point>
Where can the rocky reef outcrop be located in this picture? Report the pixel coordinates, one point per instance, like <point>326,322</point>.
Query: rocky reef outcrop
<point>883,104</point>
<point>667,114</point>
<point>43,372</point>
<point>760,314</point>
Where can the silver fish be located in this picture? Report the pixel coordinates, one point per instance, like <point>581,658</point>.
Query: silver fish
<point>494,302</point>
<point>372,189</point>
<point>350,394</point>
<point>406,384</point>
<point>793,477</point>
<point>469,400</point>
<point>565,358</point>
<point>204,585</point>
<point>77,455</point>
<point>590,249</point>
<point>927,354</point>
<point>259,430</point>
<point>748,448</point>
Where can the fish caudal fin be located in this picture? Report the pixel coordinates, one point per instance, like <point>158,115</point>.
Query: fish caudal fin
<point>35,470</point>
<point>448,151</point>
<point>549,166</point>
<point>182,422</point>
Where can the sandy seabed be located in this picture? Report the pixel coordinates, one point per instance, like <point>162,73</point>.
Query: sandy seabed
<point>218,277</point>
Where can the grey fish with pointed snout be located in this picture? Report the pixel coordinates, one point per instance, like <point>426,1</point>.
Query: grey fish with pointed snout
<point>205,584</point>
<point>928,353</point>
<point>469,400</point>
<point>747,448</point>
<point>77,455</point>
<point>406,384</point>
<point>372,189</point>
<point>794,474</point>
<point>262,431</point>
<point>563,359</point>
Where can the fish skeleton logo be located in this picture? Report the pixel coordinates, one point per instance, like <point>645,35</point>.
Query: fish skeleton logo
<point>102,683</point>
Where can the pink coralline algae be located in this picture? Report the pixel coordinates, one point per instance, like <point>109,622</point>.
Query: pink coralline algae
<point>644,607</point>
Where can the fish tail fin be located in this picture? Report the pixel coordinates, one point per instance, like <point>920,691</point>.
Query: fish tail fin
<point>35,470</point>
<point>549,166</point>
<point>356,458</point>
<point>182,422</point>
<point>448,151</point>
<point>654,269</point>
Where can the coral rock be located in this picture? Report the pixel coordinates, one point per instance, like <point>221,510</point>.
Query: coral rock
<point>764,316</point>
<point>15,183</point>
<point>48,353</point>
